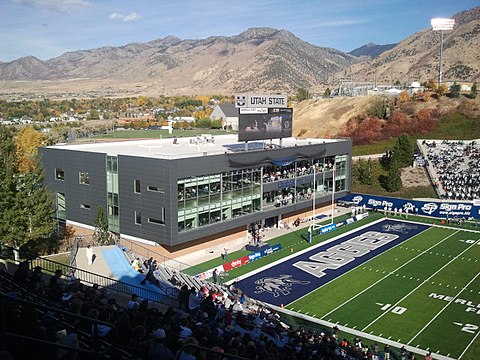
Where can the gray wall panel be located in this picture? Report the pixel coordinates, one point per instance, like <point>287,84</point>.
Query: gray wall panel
<point>165,173</point>
<point>73,162</point>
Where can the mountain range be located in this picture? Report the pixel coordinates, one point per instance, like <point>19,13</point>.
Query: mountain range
<point>417,57</point>
<point>258,59</point>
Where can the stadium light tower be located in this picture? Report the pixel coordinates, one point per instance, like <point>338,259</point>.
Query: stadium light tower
<point>440,24</point>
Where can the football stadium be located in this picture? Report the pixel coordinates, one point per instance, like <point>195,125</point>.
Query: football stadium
<point>254,248</point>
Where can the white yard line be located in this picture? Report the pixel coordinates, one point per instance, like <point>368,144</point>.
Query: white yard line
<point>448,304</point>
<point>391,272</point>
<point>431,276</point>
<point>358,333</point>
<point>470,344</point>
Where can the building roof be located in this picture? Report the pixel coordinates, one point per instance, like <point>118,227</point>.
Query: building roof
<point>229,109</point>
<point>186,147</point>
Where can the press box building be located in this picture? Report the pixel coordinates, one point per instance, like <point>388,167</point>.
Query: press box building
<point>174,192</point>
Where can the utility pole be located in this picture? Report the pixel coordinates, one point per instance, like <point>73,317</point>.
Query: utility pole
<point>439,24</point>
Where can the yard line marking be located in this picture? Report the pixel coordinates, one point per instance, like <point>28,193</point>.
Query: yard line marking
<point>448,304</point>
<point>391,273</point>
<point>411,292</point>
<point>469,344</point>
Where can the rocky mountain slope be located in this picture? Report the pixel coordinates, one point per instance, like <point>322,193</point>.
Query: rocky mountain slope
<point>259,59</point>
<point>416,58</point>
<point>371,50</point>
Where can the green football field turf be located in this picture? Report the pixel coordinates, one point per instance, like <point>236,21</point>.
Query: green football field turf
<point>424,293</point>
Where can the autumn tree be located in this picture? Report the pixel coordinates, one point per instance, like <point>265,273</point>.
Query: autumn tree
<point>425,121</point>
<point>441,90</point>
<point>432,85</point>
<point>398,124</point>
<point>27,142</point>
<point>404,97</point>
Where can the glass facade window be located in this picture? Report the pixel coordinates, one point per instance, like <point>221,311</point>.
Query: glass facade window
<point>84,178</point>
<point>209,199</point>
<point>113,206</point>
<point>61,206</point>
<point>137,186</point>
<point>59,174</point>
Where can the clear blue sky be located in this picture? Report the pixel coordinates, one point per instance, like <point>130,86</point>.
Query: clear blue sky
<point>48,28</point>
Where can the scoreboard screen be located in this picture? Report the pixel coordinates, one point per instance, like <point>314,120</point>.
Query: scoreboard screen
<point>276,123</point>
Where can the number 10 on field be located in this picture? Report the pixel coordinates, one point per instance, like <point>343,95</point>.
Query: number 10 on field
<point>393,309</point>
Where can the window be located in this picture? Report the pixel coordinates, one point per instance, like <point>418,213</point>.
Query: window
<point>160,221</point>
<point>138,217</point>
<point>137,187</point>
<point>85,206</point>
<point>155,189</point>
<point>156,221</point>
<point>84,178</point>
<point>59,174</point>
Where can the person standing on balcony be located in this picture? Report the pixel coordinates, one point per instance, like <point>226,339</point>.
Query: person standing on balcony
<point>89,253</point>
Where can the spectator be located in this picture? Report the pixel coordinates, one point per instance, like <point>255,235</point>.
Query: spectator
<point>157,348</point>
<point>133,303</point>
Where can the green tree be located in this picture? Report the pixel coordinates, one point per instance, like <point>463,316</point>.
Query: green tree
<point>327,92</point>
<point>403,150</point>
<point>394,180</point>
<point>366,172</point>
<point>378,109</point>
<point>473,91</point>
<point>100,235</point>
<point>26,209</point>
<point>455,90</point>
<point>302,94</point>
<point>93,115</point>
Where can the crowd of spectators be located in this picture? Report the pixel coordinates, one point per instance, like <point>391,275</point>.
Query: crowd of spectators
<point>275,173</point>
<point>457,168</point>
<point>206,325</point>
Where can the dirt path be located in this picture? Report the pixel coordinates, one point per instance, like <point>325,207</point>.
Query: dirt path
<point>415,176</point>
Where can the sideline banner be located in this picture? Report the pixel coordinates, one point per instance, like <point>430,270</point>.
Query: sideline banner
<point>436,208</point>
<point>239,262</point>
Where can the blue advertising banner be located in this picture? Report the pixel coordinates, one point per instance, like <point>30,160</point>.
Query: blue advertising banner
<point>266,251</point>
<point>327,228</point>
<point>437,208</point>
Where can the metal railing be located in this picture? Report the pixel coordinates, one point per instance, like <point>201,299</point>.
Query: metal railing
<point>211,353</point>
<point>168,297</point>
<point>146,253</point>
<point>51,266</point>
